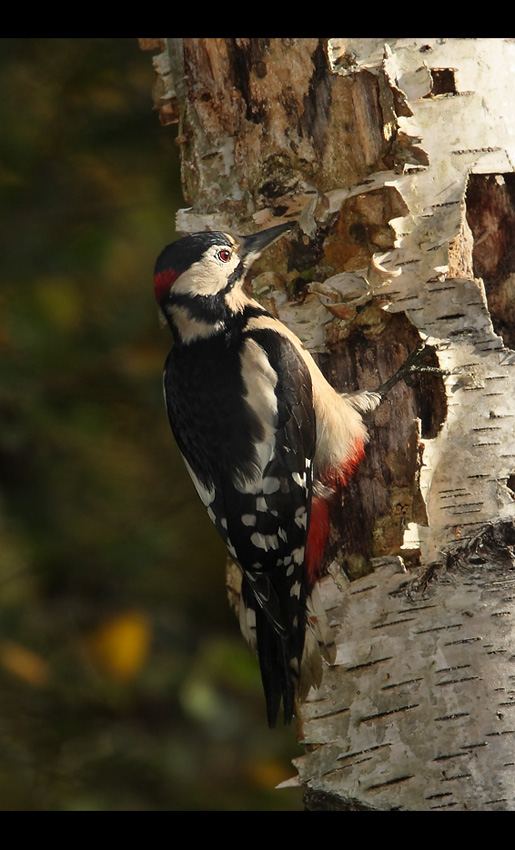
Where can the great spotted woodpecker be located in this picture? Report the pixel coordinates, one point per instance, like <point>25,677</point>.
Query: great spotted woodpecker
<point>266,440</point>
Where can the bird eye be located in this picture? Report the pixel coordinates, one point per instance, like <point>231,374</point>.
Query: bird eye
<point>224,255</point>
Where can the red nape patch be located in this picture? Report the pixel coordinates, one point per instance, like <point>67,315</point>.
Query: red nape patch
<point>317,537</point>
<point>162,283</point>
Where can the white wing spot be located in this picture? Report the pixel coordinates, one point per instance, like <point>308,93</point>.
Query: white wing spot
<point>264,541</point>
<point>249,519</point>
<point>298,555</point>
<point>295,589</point>
<point>271,484</point>
<point>301,517</point>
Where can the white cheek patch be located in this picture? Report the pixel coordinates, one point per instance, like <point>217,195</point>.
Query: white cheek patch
<point>208,276</point>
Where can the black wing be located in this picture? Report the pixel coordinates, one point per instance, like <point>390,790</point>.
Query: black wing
<point>246,429</point>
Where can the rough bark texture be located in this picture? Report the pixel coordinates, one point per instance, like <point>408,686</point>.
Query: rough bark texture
<point>396,158</point>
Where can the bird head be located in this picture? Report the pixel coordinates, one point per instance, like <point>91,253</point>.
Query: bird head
<point>198,279</point>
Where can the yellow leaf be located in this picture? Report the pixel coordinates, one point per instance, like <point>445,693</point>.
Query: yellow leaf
<point>24,663</point>
<point>267,773</point>
<point>60,302</point>
<point>120,646</point>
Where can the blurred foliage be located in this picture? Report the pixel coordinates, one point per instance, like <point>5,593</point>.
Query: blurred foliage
<point>124,682</point>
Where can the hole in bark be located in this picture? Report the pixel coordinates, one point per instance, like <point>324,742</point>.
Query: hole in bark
<point>490,202</point>
<point>510,483</point>
<point>383,495</point>
<point>363,228</point>
<point>431,400</point>
<point>359,233</point>
<point>443,81</point>
<point>317,102</point>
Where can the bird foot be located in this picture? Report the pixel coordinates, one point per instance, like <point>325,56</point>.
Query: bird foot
<point>412,366</point>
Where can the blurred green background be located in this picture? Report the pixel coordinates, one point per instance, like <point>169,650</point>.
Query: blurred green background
<point>124,682</point>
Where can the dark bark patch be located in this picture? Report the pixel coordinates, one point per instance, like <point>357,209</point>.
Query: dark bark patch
<point>317,102</point>
<point>490,202</point>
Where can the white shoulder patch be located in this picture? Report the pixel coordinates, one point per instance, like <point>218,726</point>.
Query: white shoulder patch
<point>260,381</point>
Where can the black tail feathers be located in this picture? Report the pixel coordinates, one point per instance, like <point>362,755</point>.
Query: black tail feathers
<point>279,660</point>
<point>276,671</point>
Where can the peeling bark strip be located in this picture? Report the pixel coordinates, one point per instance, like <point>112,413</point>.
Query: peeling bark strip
<point>396,158</point>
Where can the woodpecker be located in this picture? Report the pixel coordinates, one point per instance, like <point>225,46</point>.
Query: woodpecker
<point>266,440</point>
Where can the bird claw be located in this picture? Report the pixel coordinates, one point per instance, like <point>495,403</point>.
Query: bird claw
<point>411,366</point>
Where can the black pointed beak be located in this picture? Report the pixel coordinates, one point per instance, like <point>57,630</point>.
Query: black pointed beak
<point>252,246</point>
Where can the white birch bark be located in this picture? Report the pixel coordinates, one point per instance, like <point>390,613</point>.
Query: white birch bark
<point>388,134</point>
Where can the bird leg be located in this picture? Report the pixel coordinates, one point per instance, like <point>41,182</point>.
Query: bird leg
<point>411,366</point>
<point>366,401</point>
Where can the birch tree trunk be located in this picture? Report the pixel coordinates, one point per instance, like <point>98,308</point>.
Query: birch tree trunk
<point>396,156</point>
